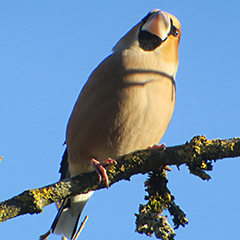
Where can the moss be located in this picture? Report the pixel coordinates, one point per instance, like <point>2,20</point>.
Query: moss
<point>149,220</point>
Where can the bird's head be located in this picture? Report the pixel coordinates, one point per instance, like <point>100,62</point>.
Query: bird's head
<point>151,32</point>
<point>152,43</point>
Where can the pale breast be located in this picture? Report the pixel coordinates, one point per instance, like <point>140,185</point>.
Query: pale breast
<point>117,114</point>
<point>145,114</point>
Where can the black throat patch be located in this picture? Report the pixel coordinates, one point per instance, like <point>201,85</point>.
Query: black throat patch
<point>148,41</point>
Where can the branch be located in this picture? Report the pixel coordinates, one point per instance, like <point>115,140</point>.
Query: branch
<point>197,154</point>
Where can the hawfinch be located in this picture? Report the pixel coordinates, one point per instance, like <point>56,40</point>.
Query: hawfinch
<point>126,105</point>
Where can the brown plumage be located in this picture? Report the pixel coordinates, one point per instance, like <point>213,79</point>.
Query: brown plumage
<point>128,100</point>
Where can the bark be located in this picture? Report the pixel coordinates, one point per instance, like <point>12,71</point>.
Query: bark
<point>198,155</point>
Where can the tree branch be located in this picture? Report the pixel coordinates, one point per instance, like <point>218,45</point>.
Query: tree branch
<point>197,154</point>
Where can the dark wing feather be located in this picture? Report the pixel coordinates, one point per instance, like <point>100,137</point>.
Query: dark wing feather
<point>64,166</point>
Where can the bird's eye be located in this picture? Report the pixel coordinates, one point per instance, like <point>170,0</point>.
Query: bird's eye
<point>173,30</point>
<point>176,32</point>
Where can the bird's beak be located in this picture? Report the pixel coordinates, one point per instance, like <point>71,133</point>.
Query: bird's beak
<point>159,24</point>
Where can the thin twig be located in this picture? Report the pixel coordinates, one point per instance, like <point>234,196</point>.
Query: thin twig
<point>45,235</point>
<point>80,228</point>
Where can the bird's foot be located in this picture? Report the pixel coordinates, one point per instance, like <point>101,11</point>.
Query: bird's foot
<point>161,147</point>
<point>100,169</point>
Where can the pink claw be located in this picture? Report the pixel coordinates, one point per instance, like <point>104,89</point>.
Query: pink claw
<point>161,147</point>
<point>101,171</point>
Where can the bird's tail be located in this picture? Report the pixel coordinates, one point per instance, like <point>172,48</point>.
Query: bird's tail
<point>66,221</point>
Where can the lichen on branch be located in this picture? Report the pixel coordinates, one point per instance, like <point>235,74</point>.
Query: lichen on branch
<point>198,155</point>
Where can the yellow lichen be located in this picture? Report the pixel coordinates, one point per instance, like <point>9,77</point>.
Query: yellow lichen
<point>122,168</point>
<point>232,146</point>
<point>111,168</point>
<point>204,165</point>
<point>197,149</point>
<point>129,157</point>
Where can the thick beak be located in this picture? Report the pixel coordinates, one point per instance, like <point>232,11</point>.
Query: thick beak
<point>159,24</point>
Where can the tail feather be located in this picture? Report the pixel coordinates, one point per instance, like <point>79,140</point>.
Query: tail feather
<point>66,221</point>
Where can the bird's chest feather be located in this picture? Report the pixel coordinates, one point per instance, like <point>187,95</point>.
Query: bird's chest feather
<point>145,109</point>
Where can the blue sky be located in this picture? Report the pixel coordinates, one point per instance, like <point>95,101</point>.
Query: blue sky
<point>47,51</point>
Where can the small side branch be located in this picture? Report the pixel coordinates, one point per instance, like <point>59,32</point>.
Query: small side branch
<point>197,154</point>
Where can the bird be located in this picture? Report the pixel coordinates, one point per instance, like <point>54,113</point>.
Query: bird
<point>125,105</point>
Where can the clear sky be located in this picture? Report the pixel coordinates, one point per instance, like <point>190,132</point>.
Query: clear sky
<point>47,51</point>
